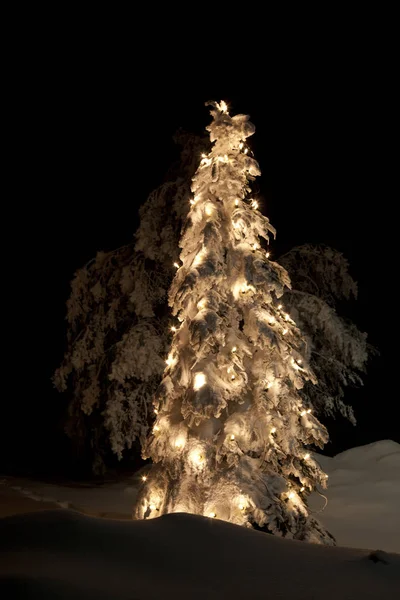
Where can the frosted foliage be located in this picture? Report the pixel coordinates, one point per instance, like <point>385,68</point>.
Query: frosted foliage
<point>338,351</point>
<point>231,434</point>
<point>118,323</point>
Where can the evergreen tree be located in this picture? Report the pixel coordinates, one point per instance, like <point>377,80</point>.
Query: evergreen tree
<point>118,320</point>
<point>232,434</point>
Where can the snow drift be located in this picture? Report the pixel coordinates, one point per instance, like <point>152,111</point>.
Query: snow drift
<point>363,494</point>
<point>64,554</point>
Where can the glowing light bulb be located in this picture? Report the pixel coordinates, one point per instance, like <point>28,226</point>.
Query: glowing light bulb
<point>179,442</point>
<point>204,155</point>
<point>208,210</point>
<point>234,349</point>
<point>246,150</point>
<point>176,265</point>
<point>326,476</point>
<point>155,411</point>
<point>255,246</point>
<point>299,361</point>
<point>232,437</point>
<point>152,507</point>
<point>254,204</point>
<point>233,377</point>
<point>241,506</point>
<point>287,317</point>
<point>236,202</point>
<point>170,361</point>
<point>191,201</point>
<point>212,515</point>
<point>306,456</point>
<point>144,478</point>
<point>273,429</point>
<point>241,145</point>
<point>303,412</point>
<point>291,495</point>
<point>279,306</point>
<point>173,328</point>
<point>199,380</point>
<point>156,428</point>
<point>302,489</point>
<point>268,254</point>
<point>223,106</point>
<point>201,304</point>
<point>309,410</point>
<point>284,332</point>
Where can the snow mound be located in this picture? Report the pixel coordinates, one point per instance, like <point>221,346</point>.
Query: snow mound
<point>64,554</point>
<point>363,507</point>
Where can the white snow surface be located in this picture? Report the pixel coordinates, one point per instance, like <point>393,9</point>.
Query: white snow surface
<point>363,509</point>
<point>63,554</point>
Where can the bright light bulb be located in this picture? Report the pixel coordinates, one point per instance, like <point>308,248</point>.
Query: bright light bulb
<point>309,410</point>
<point>232,437</point>
<point>284,332</point>
<point>303,412</point>
<point>279,306</point>
<point>302,489</point>
<point>191,201</point>
<point>255,246</point>
<point>326,476</point>
<point>287,317</point>
<point>156,428</point>
<point>208,210</point>
<point>144,478</point>
<point>233,377</point>
<point>236,202</point>
<point>234,349</point>
<point>212,515</point>
<point>240,145</point>
<point>173,329</point>
<point>246,150</point>
<point>199,258</point>
<point>155,411</point>
<point>267,254</point>
<point>199,380</point>
<point>291,495</point>
<point>201,304</point>
<point>306,456</point>
<point>254,204</point>
<point>176,265</point>
<point>170,361</point>
<point>241,506</point>
<point>179,442</point>
<point>273,429</point>
<point>204,155</point>
<point>223,106</point>
<point>152,507</point>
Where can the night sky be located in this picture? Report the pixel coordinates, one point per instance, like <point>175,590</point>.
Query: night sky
<point>94,139</point>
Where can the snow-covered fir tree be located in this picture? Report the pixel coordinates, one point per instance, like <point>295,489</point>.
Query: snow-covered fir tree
<point>118,320</point>
<point>232,435</point>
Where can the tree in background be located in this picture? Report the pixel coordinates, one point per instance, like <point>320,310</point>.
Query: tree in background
<point>232,435</point>
<point>118,325</point>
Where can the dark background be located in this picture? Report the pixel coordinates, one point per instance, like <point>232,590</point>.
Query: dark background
<point>92,136</point>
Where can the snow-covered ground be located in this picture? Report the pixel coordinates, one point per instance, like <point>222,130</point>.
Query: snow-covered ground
<point>363,509</point>
<point>62,554</point>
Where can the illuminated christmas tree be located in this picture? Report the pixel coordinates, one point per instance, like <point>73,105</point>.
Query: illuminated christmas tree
<point>232,435</point>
